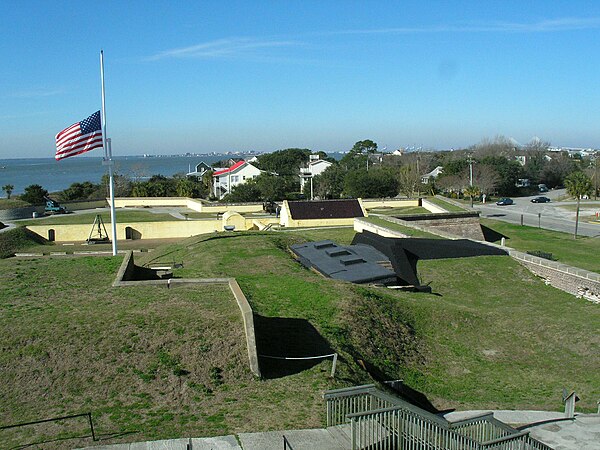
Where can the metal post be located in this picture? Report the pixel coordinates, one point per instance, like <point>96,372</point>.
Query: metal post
<point>539,220</point>
<point>521,219</point>
<point>92,426</point>
<point>335,357</point>
<point>108,159</point>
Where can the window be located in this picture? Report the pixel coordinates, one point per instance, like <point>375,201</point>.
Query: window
<point>235,178</point>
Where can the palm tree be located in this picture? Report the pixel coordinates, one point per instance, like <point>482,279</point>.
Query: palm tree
<point>578,184</point>
<point>471,191</point>
<point>8,188</point>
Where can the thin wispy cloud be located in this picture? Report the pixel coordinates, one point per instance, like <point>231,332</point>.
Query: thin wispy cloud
<point>224,48</point>
<point>545,26</point>
<point>24,115</point>
<point>36,93</point>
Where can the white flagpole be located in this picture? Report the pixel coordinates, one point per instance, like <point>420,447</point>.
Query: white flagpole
<point>108,161</point>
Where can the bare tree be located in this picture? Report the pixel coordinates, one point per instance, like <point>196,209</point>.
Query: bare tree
<point>409,180</point>
<point>486,178</point>
<point>453,183</point>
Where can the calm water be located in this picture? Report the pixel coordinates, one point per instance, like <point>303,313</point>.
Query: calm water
<point>58,175</point>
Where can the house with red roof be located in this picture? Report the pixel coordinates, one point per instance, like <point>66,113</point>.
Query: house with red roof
<point>224,180</point>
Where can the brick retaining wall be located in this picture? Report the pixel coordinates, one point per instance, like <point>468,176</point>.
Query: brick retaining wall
<point>579,282</point>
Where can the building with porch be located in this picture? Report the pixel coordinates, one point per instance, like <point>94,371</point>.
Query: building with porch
<point>224,180</point>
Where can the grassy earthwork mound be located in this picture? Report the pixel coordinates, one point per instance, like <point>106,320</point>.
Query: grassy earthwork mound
<point>151,363</point>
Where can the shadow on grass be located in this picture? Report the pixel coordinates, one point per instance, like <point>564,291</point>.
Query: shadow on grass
<point>491,235</point>
<point>400,389</point>
<point>287,338</point>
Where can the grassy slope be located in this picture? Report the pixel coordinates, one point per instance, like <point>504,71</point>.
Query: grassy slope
<point>493,337</point>
<point>412,232</point>
<point>399,211</point>
<point>19,239</point>
<point>579,253</point>
<point>450,207</point>
<point>75,344</point>
<point>6,203</point>
<point>149,361</point>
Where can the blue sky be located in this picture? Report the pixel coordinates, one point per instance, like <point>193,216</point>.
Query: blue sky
<point>221,76</point>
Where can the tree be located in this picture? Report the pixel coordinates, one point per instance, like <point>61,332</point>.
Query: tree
<point>122,184</point>
<point>578,184</point>
<point>366,146</point>
<point>80,191</point>
<point>188,188</point>
<point>246,192</point>
<point>284,162</point>
<point>34,194</point>
<point>380,182</point>
<point>358,156</point>
<point>8,188</point>
<point>557,169</point>
<point>471,192</point>
<point>330,184</point>
<point>509,171</point>
<point>409,180</point>
<point>486,178</point>
<point>273,187</point>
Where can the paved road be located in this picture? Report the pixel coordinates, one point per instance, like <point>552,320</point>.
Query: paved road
<point>550,216</point>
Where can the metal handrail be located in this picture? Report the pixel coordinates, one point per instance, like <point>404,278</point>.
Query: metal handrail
<point>286,444</point>
<point>54,419</point>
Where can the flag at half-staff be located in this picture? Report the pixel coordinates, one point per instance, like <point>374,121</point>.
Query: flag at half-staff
<point>80,137</point>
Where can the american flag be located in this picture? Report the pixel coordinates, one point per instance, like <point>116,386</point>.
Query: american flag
<point>80,137</point>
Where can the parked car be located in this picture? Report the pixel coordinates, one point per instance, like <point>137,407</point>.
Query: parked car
<point>505,201</point>
<point>540,200</point>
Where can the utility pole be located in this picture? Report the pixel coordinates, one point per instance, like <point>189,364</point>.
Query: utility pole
<point>470,171</point>
<point>595,176</point>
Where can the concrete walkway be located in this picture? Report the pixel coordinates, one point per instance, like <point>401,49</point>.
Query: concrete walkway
<point>551,428</point>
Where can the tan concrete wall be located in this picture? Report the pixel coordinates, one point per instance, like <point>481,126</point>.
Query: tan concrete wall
<point>234,219</point>
<point>240,208</point>
<point>141,230</point>
<point>321,223</point>
<point>362,225</point>
<point>183,202</point>
<point>155,230</point>
<point>432,207</point>
<point>124,202</point>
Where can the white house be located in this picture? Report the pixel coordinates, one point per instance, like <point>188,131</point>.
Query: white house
<point>315,167</point>
<point>425,179</point>
<point>224,180</point>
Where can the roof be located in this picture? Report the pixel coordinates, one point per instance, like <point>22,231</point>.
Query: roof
<point>326,209</point>
<point>237,165</point>
<point>355,263</point>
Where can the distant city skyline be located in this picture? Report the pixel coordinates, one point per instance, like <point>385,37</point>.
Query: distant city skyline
<point>243,76</point>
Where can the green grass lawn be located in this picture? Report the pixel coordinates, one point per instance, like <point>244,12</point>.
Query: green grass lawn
<point>579,253</point>
<point>450,207</point>
<point>412,232</point>
<point>8,203</point>
<point>409,210</point>
<point>159,363</point>
<point>123,215</point>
